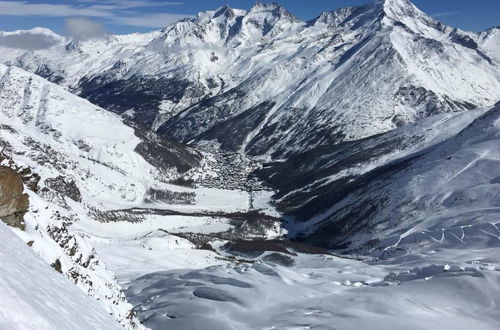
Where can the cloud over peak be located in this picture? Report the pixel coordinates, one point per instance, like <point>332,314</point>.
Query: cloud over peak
<point>28,40</point>
<point>119,12</point>
<point>82,28</point>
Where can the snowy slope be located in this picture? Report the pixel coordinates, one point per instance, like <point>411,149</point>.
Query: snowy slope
<point>345,75</point>
<point>383,65</point>
<point>490,41</point>
<point>34,296</point>
<point>418,205</point>
<point>70,59</point>
<point>422,200</point>
<point>324,292</point>
<point>432,183</point>
<point>95,143</point>
<point>101,197</point>
<point>81,161</point>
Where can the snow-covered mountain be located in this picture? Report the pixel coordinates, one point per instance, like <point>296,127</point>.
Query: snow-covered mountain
<point>101,190</point>
<point>431,183</point>
<point>77,161</point>
<point>418,206</point>
<point>383,65</point>
<point>490,41</point>
<point>34,296</point>
<point>287,85</point>
<point>381,133</point>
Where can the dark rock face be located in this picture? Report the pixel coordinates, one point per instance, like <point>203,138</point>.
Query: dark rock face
<point>339,196</point>
<point>463,40</point>
<point>231,134</point>
<point>39,65</point>
<point>202,116</point>
<point>13,202</point>
<point>29,178</point>
<point>65,187</point>
<point>141,94</point>
<point>164,153</point>
<point>48,73</point>
<point>429,103</point>
<point>312,170</point>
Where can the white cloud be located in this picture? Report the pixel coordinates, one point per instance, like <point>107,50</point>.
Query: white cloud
<point>22,8</point>
<point>116,11</point>
<point>446,13</point>
<point>126,4</point>
<point>28,40</point>
<point>82,28</point>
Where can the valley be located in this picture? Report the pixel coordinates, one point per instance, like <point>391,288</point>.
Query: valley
<point>251,170</point>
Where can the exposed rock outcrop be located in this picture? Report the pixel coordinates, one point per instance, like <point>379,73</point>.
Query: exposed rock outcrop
<point>13,202</point>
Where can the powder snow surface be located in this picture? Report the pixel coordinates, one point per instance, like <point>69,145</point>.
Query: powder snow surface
<point>443,272</point>
<point>35,296</point>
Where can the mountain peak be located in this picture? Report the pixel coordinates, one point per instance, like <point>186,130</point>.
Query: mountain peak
<point>225,11</point>
<point>73,46</point>
<point>405,12</point>
<point>276,9</point>
<point>272,5</point>
<point>392,3</point>
<point>263,6</point>
<point>334,17</point>
<point>398,7</point>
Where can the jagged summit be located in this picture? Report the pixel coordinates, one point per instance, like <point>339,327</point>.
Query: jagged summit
<point>222,12</point>
<point>271,9</point>
<point>264,17</point>
<point>259,8</point>
<point>404,13</point>
<point>226,24</point>
<point>226,11</point>
<point>267,6</point>
<point>381,13</point>
<point>275,75</point>
<point>334,17</point>
<point>400,9</point>
<point>395,3</point>
<point>73,46</point>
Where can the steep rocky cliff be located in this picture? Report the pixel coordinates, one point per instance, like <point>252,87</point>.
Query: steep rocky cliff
<point>13,201</point>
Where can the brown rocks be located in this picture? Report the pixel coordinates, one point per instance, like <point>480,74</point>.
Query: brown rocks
<point>13,202</point>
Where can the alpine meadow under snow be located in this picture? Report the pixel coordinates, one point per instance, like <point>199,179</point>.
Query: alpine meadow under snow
<point>250,170</point>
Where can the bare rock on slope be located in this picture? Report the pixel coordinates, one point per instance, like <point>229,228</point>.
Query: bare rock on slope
<point>13,202</point>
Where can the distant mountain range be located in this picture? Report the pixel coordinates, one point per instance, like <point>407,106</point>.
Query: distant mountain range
<point>274,84</point>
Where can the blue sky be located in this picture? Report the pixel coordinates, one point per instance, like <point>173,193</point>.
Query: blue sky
<point>125,16</point>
